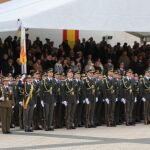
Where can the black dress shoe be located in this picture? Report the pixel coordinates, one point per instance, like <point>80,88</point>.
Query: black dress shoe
<point>26,130</point>
<point>93,126</point>
<point>12,126</point>
<point>51,129</point>
<point>30,130</point>
<point>117,124</point>
<point>80,125</point>
<point>8,132</point>
<point>128,124</point>
<point>99,124</point>
<point>73,127</point>
<point>132,123</point>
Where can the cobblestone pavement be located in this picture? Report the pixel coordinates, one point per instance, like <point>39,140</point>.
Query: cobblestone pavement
<point>100,138</point>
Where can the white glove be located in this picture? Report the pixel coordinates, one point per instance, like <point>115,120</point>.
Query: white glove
<point>35,106</point>
<point>123,100</point>
<point>65,103</point>
<point>2,99</point>
<point>107,100</point>
<point>96,99</point>
<point>116,99</point>
<point>143,99</point>
<point>135,100</point>
<point>23,77</point>
<point>83,101</point>
<point>54,104</point>
<point>42,103</point>
<point>12,107</point>
<point>103,100</point>
<point>87,101</point>
<point>77,101</point>
<point>20,103</point>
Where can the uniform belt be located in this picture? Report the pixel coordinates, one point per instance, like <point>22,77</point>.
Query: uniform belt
<point>147,89</point>
<point>46,91</point>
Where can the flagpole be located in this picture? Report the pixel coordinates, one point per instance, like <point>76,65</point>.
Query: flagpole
<point>23,57</point>
<point>24,68</point>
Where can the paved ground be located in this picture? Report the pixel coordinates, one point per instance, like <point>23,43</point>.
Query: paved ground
<point>100,138</point>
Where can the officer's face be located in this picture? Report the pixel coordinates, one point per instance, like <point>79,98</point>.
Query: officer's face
<point>70,75</point>
<point>136,78</point>
<point>29,80</point>
<point>128,74</point>
<point>110,73</point>
<point>50,74</point>
<point>90,74</point>
<point>57,76</point>
<point>96,75</point>
<point>115,75</point>
<point>5,82</point>
<point>77,76</point>
<point>100,77</point>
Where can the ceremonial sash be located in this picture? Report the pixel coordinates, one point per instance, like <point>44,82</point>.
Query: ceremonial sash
<point>25,103</point>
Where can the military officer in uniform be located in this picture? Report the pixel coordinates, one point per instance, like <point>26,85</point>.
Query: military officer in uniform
<point>128,98</point>
<point>48,99</point>
<point>78,93</point>
<point>62,111</point>
<point>37,115</point>
<point>90,99</point>
<point>58,107</point>
<point>110,98</point>
<point>83,97</point>
<point>70,100</point>
<point>145,94</point>
<point>118,111</point>
<point>99,95</point>
<point>29,103</point>
<point>6,104</point>
<point>137,106</point>
<point>19,96</point>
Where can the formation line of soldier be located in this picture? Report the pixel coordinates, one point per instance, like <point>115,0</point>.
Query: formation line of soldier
<point>53,100</point>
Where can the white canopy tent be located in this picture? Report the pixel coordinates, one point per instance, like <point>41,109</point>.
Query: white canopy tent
<point>105,15</point>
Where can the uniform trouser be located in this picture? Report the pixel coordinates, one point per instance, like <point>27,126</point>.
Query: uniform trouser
<point>78,114</point>
<point>90,109</point>
<point>58,115</point>
<point>98,112</point>
<point>48,115</point>
<point>137,110</point>
<point>110,112</point>
<point>21,117</point>
<point>118,112</point>
<point>129,111</point>
<point>5,119</point>
<point>13,116</point>
<point>37,115</point>
<point>147,110</point>
<point>70,114</point>
<point>28,117</point>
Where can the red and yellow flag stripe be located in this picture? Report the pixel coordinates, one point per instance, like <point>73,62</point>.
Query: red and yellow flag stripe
<point>71,36</point>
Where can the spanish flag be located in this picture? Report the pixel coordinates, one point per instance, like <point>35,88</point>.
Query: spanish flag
<point>72,36</point>
<point>23,58</point>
